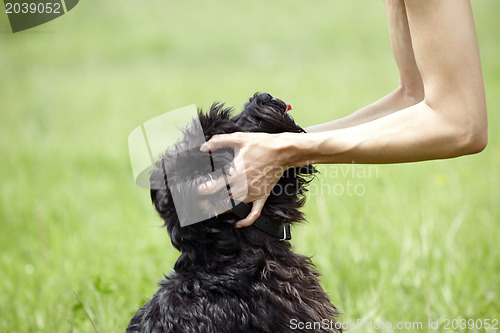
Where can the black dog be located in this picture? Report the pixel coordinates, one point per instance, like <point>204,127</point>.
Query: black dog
<point>227,279</point>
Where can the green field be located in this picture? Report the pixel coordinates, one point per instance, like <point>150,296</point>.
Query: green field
<point>419,242</point>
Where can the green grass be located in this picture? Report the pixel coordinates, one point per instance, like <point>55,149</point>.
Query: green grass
<point>421,242</point>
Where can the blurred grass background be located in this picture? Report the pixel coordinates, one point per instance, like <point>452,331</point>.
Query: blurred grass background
<point>421,242</point>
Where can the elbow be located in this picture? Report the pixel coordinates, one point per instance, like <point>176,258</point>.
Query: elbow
<point>466,117</point>
<point>480,143</point>
<point>472,139</point>
<point>475,144</point>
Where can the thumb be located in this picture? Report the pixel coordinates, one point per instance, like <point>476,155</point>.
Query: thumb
<point>253,215</point>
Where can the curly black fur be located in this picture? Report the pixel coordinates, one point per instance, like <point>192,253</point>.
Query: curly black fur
<point>227,279</point>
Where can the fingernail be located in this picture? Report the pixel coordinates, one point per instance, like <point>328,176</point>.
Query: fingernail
<point>204,147</point>
<point>203,189</point>
<point>238,226</point>
<point>209,185</point>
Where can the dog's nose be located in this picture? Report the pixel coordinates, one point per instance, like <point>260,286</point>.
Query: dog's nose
<point>265,97</point>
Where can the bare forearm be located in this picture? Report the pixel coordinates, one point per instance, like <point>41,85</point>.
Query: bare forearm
<point>416,133</point>
<point>395,101</point>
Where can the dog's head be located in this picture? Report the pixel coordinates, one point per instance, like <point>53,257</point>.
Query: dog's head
<point>182,169</point>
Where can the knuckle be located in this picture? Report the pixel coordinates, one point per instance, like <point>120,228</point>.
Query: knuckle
<point>207,188</point>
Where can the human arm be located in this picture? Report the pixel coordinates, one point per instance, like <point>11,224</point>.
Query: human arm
<point>410,90</point>
<point>450,121</point>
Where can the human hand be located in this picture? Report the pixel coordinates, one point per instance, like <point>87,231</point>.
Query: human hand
<point>260,160</point>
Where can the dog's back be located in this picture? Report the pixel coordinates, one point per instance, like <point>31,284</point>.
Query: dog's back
<point>236,280</point>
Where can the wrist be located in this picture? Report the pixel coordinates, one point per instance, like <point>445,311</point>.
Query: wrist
<point>295,149</point>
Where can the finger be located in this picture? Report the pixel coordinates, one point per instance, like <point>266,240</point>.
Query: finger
<point>235,181</point>
<point>253,215</point>
<point>236,187</point>
<point>219,141</point>
<point>204,205</point>
<point>211,186</point>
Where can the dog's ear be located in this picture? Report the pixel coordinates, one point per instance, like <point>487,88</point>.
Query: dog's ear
<point>183,166</point>
<point>289,194</point>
